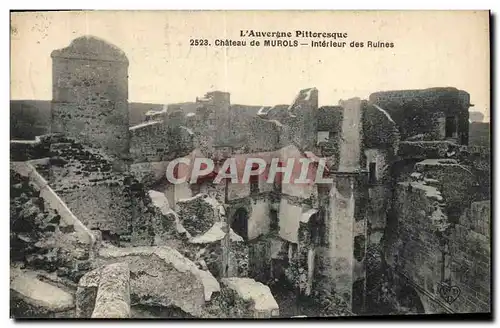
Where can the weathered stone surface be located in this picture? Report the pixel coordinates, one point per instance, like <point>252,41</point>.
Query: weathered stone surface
<point>422,111</point>
<point>199,213</point>
<point>41,236</point>
<point>86,293</point>
<point>238,258</point>
<point>214,234</point>
<point>264,304</point>
<point>90,91</point>
<point>471,259</point>
<point>456,182</point>
<point>161,276</point>
<point>35,298</point>
<point>166,221</point>
<point>427,149</point>
<point>113,293</point>
<point>160,201</point>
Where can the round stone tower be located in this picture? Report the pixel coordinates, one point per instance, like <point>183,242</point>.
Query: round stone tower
<point>90,94</point>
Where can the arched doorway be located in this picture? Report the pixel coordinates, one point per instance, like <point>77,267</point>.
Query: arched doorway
<point>239,223</point>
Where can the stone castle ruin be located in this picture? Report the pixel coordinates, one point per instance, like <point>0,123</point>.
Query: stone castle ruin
<point>97,230</point>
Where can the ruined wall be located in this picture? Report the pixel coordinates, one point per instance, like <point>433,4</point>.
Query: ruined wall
<point>23,150</point>
<point>470,244</point>
<point>449,262</point>
<point>100,206</point>
<point>160,140</point>
<point>214,190</point>
<point>379,192</point>
<point>417,252</point>
<point>379,129</point>
<point>346,240</point>
<point>100,193</point>
<point>289,218</point>
<point>238,190</point>
<point>90,94</point>
<point>181,191</point>
<point>422,112</point>
<point>350,146</point>
<point>303,119</point>
<point>248,133</point>
<point>426,149</point>
<point>259,258</point>
<point>479,160</point>
<point>329,130</point>
<point>298,190</point>
<point>211,124</point>
<point>44,234</point>
<point>262,135</point>
<point>455,181</point>
<point>307,252</point>
<point>259,219</point>
<point>90,187</point>
<point>149,173</point>
<point>149,142</point>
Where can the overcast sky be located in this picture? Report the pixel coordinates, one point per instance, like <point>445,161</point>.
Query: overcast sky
<point>431,49</point>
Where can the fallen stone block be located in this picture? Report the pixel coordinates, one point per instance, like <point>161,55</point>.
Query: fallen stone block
<point>263,303</point>
<point>31,297</point>
<point>113,293</point>
<point>86,293</point>
<point>161,276</point>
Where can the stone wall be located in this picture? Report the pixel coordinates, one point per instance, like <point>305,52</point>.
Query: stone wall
<point>426,149</point>
<point>418,250</point>
<point>44,232</point>
<point>449,261</point>
<point>352,129</point>
<point>289,218</point>
<point>421,112</point>
<point>261,135</point>
<point>379,129</point>
<point>329,130</point>
<point>379,194</point>
<point>345,242</point>
<point>259,218</point>
<point>90,94</point>
<point>103,195</point>
<point>155,141</point>
<point>303,122</point>
<point>454,180</point>
<point>470,252</point>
